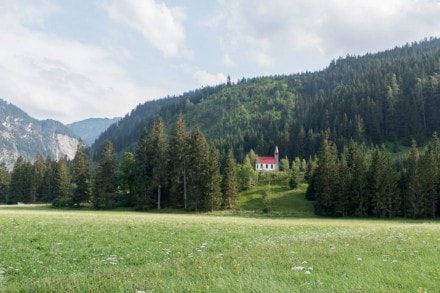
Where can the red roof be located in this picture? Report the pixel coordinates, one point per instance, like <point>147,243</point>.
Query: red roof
<point>266,160</point>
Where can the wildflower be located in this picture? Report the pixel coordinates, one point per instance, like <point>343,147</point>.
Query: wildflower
<point>297,268</point>
<point>359,258</point>
<point>307,272</point>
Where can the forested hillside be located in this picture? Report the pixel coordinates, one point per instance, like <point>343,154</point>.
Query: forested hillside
<point>391,96</point>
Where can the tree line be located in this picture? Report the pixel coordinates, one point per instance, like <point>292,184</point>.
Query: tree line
<point>181,170</point>
<point>363,181</point>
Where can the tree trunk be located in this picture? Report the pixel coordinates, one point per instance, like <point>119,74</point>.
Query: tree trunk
<point>158,197</point>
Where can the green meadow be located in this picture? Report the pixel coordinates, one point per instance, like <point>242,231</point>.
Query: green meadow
<point>278,250</point>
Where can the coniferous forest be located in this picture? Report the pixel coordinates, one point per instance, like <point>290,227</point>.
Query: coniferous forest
<point>357,123</point>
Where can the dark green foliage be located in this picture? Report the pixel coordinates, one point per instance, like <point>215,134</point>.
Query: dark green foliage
<point>62,185</point>
<point>179,163</point>
<point>5,181</point>
<point>197,174</point>
<point>213,192</point>
<point>127,180</point>
<point>105,184</point>
<point>80,176</point>
<point>158,154</point>
<point>388,96</point>
<point>230,186</point>
<point>21,182</point>
<point>142,196</point>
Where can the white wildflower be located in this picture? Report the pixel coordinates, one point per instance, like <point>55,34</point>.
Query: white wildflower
<point>297,268</point>
<point>307,272</point>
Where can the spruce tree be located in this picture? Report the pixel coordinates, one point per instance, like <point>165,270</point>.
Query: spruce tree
<point>246,175</point>
<point>230,181</point>
<point>39,169</point>
<point>62,187</point>
<point>158,152</point>
<point>5,180</point>
<point>325,176</point>
<point>128,178</point>
<point>105,183</point>
<point>198,167</point>
<point>143,173</point>
<point>179,163</point>
<point>383,185</point>
<point>414,196</point>
<point>20,188</point>
<point>213,193</point>
<point>80,176</point>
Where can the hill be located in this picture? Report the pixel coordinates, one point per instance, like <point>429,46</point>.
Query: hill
<point>22,135</point>
<point>90,129</point>
<point>391,96</point>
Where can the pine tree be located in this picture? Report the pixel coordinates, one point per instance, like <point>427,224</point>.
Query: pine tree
<point>81,176</point>
<point>179,163</point>
<point>357,168</point>
<point>383,185</point>
<point>105,183</point>
<point>39,169</point>
<point>128,178</point>
<point>230,181</point>
<point>213,193</point>
<point>158,150</point>
<point>5,181</point>
<point>143,173</point>
<point>62,181</point>
<point>199,158</point>
<point>413,197</point>
<point>20,188</point>
<point>325,176</point>
<point>47,188</point>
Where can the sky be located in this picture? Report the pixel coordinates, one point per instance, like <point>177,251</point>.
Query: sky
<point>75,59</point>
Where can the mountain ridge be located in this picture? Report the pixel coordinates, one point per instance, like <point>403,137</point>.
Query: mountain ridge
<point>23,135</point>
<point>90,129</point>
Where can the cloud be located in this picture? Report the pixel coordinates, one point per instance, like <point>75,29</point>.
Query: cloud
<point>205,78</point>
<point>325,28</point>
<point>162,26</point>
<point>49,76</point>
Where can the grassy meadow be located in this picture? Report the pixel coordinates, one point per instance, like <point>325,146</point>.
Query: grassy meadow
<point>48,250</point>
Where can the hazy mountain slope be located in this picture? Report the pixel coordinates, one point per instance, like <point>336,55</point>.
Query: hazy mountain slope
<point>391,96</point>
<point>22,135</point>
<point>90,129</point>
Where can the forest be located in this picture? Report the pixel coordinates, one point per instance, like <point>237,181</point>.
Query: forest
<point>387,97</point>
<point>353,129</point>
<point>181,170</point>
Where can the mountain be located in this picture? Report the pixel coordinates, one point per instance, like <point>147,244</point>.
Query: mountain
<point>22,135</point>
<point>90,129</point>
<point>387,97</point>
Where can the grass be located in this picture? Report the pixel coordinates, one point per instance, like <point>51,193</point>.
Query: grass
<point>45,250</point>
<point>277,199</point>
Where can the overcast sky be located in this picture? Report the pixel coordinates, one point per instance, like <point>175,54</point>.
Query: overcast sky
<point>74,59</point>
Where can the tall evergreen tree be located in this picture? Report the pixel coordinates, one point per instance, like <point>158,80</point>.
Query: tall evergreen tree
<point>246,175</point>
<point>180,163</point>
<point>383,185</point>
<point>62,184</point>
<point>80,176</point>
<point>413,197</point>
<point>199,158</point>
<point>127,179</point>
<point>143,173</point>
<point>105,183</point>
<point>20,188</point>
<point>158,150</point>
<point>47,189</point>
<point>213,193</point>
<point>5,180</point>
<point>39,169</point>
<point>230,187</point>
<point>326,174</point>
